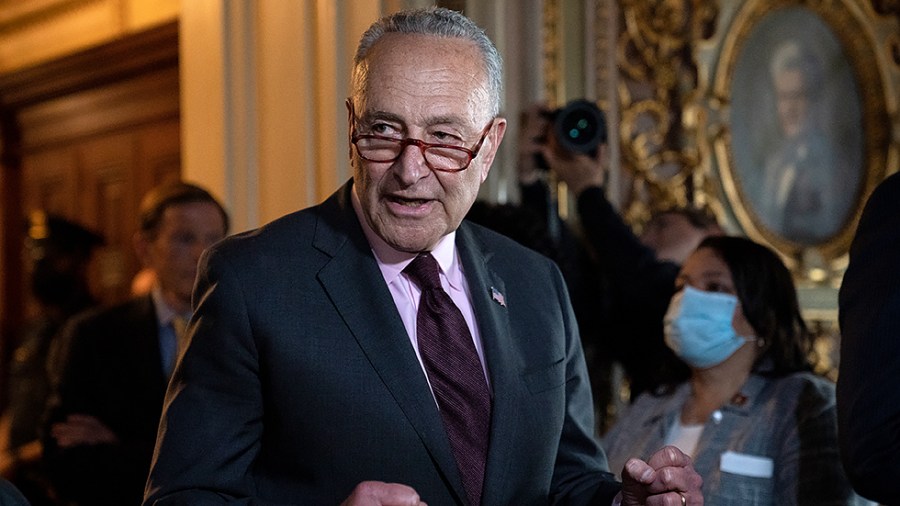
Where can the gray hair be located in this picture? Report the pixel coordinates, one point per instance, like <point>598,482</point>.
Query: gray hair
<point>791,55</point>
<point>438,22</point>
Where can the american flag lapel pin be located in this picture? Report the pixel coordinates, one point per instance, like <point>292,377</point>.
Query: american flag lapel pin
<point>498,297</point>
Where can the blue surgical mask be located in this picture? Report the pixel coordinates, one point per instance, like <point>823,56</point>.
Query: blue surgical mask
<point>698,327</point>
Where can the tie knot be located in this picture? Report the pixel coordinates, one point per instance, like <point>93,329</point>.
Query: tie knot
<point>424,271</point>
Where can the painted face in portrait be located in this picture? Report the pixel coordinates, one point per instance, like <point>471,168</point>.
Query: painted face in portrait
<point>435,90</point>
<point>792,97</point>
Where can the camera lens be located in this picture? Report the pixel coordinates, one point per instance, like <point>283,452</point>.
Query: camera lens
<point>580,127</point>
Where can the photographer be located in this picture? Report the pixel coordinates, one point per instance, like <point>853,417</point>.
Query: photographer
<point>634,276</point>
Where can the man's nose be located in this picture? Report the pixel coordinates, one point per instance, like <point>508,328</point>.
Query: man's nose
<point>411,166</point>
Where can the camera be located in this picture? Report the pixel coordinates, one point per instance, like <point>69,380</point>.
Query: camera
<point>579,127</point>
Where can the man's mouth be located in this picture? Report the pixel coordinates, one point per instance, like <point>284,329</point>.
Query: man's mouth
<point>408,202</point>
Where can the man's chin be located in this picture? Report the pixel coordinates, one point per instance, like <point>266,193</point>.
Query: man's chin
<point>410,235</point>
<point>412,240</point>
<point>412,246</point>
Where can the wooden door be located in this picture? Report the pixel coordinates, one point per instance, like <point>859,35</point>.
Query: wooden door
<point>91,133</point>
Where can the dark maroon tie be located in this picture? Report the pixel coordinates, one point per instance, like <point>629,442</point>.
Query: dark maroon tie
<point>455,373</point>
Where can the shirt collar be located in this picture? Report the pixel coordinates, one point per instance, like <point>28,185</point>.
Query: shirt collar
<point>392,262</point>
<point>164,312</point>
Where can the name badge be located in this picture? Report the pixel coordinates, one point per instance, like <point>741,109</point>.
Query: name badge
<point>743,464</point>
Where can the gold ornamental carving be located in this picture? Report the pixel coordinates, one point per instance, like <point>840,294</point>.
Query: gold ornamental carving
<point>552,58</point>
<point>681,95</point>
<point>657,73</point>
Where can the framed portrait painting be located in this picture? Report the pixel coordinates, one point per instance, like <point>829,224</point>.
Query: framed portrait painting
<point>796,126</point>
<point>806,131</point>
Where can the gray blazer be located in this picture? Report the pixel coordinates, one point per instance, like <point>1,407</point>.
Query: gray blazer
<point>774,444</point>
<point>299,380</point>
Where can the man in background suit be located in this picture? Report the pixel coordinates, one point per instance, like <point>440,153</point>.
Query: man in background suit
<point>116,361</point>
<point>303,381</point>
<point>868,399</point>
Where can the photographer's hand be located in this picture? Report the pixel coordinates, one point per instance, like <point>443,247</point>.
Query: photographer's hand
<point>579,171</point>
<point>532,137</point>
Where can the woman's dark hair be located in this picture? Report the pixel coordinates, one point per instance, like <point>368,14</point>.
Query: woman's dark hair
<point>766,291</point>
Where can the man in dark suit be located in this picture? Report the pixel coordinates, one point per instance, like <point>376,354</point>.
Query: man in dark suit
<point>116,361</point>
<point>10,495</point>
<point>309,377</point>
<point>868,399</point>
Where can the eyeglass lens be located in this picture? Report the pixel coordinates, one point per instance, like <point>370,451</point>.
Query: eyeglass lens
<point>388,150</point>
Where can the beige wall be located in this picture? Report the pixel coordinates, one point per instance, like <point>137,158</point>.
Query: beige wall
<point>263,85</point>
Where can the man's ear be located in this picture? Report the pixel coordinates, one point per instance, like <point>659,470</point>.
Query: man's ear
<point>495,137</point>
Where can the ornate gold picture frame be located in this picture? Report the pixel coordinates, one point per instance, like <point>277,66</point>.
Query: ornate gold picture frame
<point>797,113</point>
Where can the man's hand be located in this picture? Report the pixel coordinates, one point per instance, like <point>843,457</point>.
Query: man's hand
<point>81,429</point>
<point>378,493</point>
<point>666,479</point>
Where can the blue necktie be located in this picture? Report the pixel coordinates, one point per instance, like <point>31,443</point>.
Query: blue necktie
<point>455,372</point>
<point>170,349</point>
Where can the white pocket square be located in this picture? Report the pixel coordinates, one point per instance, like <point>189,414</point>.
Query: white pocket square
<point>743,464</point>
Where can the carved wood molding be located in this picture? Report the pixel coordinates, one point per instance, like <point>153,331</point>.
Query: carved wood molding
<point>156,48</point>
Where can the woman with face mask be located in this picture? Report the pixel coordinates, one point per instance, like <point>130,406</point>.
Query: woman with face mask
<point>758,423</point>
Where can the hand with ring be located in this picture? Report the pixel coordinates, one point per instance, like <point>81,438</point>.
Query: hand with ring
<point>667,478</point>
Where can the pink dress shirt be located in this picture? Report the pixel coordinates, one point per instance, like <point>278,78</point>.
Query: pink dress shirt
<point>406,294</point>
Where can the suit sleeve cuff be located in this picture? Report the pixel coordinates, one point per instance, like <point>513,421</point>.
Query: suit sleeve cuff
<point>617,500</point>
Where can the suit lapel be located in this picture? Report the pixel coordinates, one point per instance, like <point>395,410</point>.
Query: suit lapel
<point>372,318</point>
